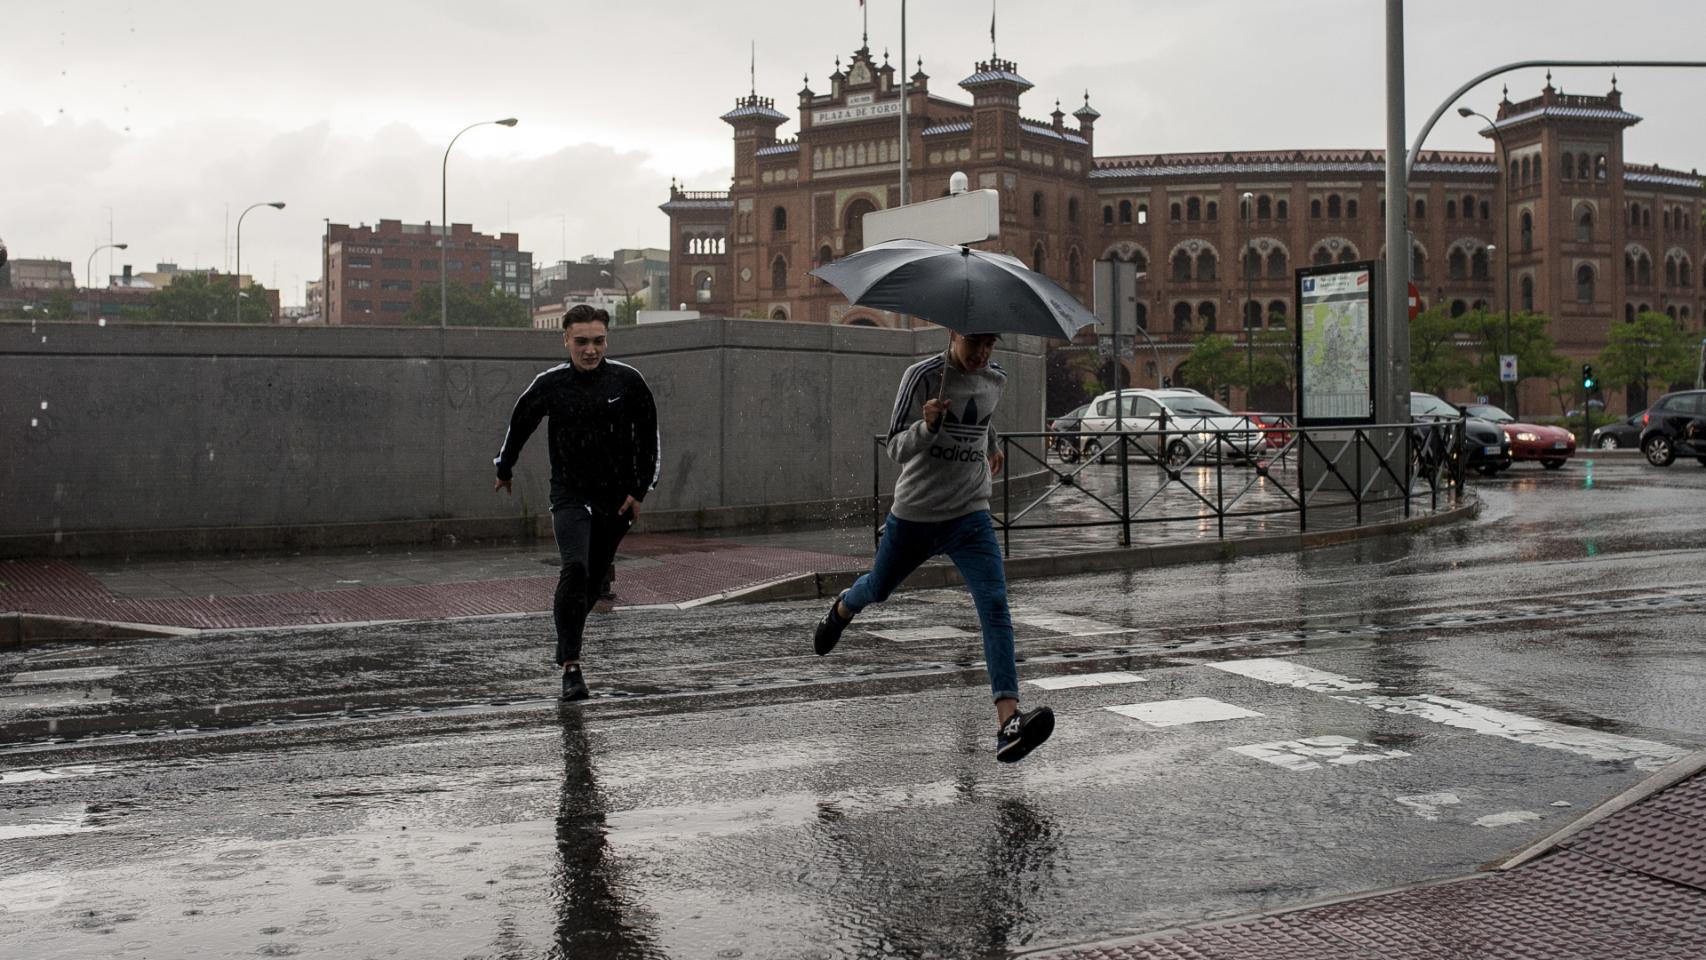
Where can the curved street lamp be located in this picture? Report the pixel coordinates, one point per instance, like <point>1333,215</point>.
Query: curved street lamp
<point>89,272</point>
<point>444,218</point>
<point>1248,202</point>
<point>627,298</point>
<point>237,271</point>
<point>1504,175</point>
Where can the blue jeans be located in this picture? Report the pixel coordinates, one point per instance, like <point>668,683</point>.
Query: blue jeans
<point>970,542</point>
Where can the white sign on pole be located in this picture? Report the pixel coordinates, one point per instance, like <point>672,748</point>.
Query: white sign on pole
<point>1507,367</point>
<point>1104,297</point>
<point>970,217</point>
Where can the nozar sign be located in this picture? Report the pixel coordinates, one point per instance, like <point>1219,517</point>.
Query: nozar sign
<point>970,217</point>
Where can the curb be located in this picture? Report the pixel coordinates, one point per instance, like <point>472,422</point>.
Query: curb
<point>19,630</point>
<point>1656,782</point>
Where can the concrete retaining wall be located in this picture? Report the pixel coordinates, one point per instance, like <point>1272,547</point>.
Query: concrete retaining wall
<point>135,437</point>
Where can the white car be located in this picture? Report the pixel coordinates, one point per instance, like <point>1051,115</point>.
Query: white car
<point>1186,420</point>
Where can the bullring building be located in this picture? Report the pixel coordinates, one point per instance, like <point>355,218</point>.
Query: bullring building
<point>1594,239</point>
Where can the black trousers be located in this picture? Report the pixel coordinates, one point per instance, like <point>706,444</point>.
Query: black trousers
<point>587,538</point>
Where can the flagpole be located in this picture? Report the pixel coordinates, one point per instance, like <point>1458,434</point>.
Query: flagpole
<point>905,197</point>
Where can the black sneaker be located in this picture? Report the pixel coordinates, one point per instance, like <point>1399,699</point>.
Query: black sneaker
<point>574,685</point>
<point>829,628</point>
<point>1022,733</point>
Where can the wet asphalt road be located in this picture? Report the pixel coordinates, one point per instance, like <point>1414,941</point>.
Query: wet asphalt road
<point>1291,727</point>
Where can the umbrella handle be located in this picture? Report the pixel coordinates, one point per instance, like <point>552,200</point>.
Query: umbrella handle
<point>942,386</point>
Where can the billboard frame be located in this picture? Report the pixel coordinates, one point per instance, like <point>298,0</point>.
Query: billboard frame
<point>1375,307</point>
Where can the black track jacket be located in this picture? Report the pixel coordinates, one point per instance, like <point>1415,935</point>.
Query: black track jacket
<point>603,433</point>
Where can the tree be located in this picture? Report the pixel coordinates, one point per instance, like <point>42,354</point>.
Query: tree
<point>1653,349</point>
<point>1276,360</point>
<point>627,312</point>
<point>480,305</point>
<point>1437,360</point>
<point>58,305</point>
<point>204,298</point>
<point>1537,355</point>
<point>1215,361</point>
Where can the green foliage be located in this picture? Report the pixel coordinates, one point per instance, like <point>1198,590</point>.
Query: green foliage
<point>202,298</point>
<point>1650,351</point>
<point>627,312</point>
<point>1215,361</point>
<point>481,305</point>
<point>58,305</point>
<point>1438,362</point>
<point>1276,360</point>
<point>1537,355</point>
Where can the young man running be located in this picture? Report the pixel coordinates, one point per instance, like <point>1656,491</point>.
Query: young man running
<point>948,454</point>
<point>604,458</point>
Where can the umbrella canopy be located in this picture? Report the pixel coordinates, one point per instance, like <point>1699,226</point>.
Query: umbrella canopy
<point>965,290</point>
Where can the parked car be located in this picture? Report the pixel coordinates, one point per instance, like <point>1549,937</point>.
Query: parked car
<point>1062,431</point>
<point>1188,421</point>
<point>1623,433</point>
<point>1278,427</point>
<point>1551,446</point>
<point>1675,427</point>
<point>1488,449</point>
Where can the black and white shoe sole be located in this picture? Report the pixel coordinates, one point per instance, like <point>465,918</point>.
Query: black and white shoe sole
<point>1037,729</point>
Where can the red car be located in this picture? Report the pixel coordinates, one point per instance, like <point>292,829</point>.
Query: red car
<point>1529,441</point>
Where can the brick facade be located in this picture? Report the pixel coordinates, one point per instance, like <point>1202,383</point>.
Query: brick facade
<point>376,271</point>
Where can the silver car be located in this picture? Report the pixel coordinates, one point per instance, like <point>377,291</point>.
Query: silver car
<point>1187,421</point>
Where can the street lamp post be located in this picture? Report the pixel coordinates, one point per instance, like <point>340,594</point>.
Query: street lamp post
<point>1509,394</point>
<point>627,298</point>
<point>89,272</point>
<point>1248,201</point>
<point>237,272</point>
<point>444,217</point>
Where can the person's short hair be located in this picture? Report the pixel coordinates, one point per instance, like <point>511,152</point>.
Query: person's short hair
<point>586,313</point>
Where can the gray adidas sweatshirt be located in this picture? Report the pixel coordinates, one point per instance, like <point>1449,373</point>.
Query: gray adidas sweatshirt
<point>945,474</point>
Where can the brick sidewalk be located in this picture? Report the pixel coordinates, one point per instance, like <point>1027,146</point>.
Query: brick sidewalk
<point>238,592</point>
<point>1630,886</point>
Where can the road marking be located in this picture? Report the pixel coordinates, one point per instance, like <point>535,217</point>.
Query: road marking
<point>77,821</point>
<point>1065,623</point>
<point>1311,752</point>
<point>1646,754</point>
<point>1507,819</point>
<point>1172,713</point>
<point>1289,673</point>
<point>54,773</point>
<point>67,675</point>
<point>1426,805</point>
<point>915,634</point>
<point>1071,680</point>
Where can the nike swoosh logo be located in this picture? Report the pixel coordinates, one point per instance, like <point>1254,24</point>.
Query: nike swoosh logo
<point>613,399</point>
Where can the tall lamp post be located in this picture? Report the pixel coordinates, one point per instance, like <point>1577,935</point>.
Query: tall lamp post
<point>627,298</point>
<point>89,272</point>
<point>1504,174</point>
<point>237,273</point>
<point>1246,202</point>
<point>444,217</point>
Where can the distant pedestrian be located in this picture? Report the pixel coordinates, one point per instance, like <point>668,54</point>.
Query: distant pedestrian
<point>604,459</point>
<point>941,436</point>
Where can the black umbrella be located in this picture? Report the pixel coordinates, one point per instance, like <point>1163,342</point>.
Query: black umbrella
<point>968,291</point>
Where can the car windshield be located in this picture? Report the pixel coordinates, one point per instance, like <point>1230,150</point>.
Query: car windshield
<point>1487,411</point>
<point>1428,405</point>
<point>1194,407</point>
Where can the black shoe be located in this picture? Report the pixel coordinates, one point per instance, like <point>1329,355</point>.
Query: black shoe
<point>829,628</point>
<point>1022,733</point>
<point>574,685</point>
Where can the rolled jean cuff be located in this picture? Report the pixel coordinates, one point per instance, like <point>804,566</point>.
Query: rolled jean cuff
<point>1007,695</point>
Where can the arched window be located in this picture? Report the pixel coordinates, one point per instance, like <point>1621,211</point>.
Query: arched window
<point>1584,284</point>
<point>1276,313</point>
<point>1193,208</point>
<point>1206,265</point>
<point>1181,316</point>
<point>779,274</point>
<point>853,224</point>
<point>1459,308</point>
<point>1646,216</point>
<point>1670,311</point>
<point>1629,269</point>
<point>1451,209</point>
<point>1478,265</point>
<point>1628,313</point>
<point>1634,214</point>
<point>1512,179</point>
<point>1418,264</point>
<point>1213,211</point>
<point>1468,206</point>
<point>1684,273</point>
<point>1143,213</point>
<point>1334,210</point>
<point>1486,211</point>
<point>1037,204</point>
<point>1206,313</point>
<point>1321,257</point>
<point>1643,271</point>
<point>1666,219</point>
<point>1252,263</point>
<point>1584,225</point>
<point>1528,293</point>
<point>1670,273</point>
<point>1140,261</point>
<point>1600,170</point>
<point>1350,208</point>
<point>779,220</point>
<point>1252,314</point>
<point>1276,264</point>
<point>1072,266</point>
<point>1282,210</point>
<point>1037,254</point>
<point>778,314</point>
<point>1568,168</point>
<point>1140,313</point>
<point>1527,174</point>
<point>1527,231</point>
<point>1181,266</point>
<point>1072,210</point>
<point>1173,213</point>
<point>1108,212</point>
<point>1456,265</point>
<point>1264,207</point>
<point>1347,255</point>
<point>1584,167</point>
<point>1421,208</point>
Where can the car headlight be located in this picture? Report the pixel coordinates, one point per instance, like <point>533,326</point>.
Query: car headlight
<point>1527,437</point>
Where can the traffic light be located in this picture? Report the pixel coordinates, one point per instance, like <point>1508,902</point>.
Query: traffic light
<point>1588,382</point>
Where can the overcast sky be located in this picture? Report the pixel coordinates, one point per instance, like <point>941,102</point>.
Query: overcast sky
<point>161,117</point>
